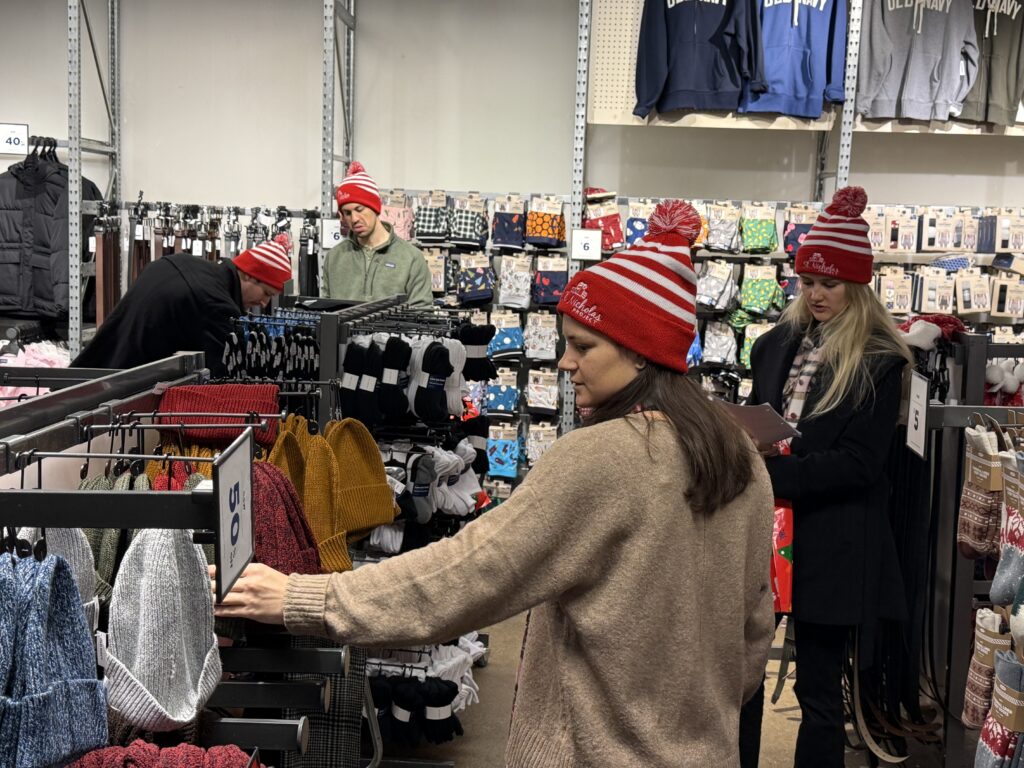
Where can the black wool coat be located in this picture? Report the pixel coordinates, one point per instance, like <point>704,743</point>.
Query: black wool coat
<point>845,567</point>
<point>179,303</point>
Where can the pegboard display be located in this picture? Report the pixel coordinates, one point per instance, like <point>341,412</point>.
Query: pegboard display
<point>615,32</point>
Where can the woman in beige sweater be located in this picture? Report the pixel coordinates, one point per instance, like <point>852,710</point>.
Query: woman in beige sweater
<point>640,542</point>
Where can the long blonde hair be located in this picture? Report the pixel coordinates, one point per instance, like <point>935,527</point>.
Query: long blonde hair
<point>848,342</point>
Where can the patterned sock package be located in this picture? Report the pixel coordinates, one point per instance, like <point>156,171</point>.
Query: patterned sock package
<point>431,217</point>
<point>540,339</point>
<point>539,438</point>
<point>508,338</point>
<point>476,278</point>
<point>542,392</point>
<point>503,393</point>
<point>503,451</point>
<point>515,280</point>
<point>467,222</point>
<point>723,228</point>
<point>602,213</point>
<point>550,281</point>
<point>545,223</point>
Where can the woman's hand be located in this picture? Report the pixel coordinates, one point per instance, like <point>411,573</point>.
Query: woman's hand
<point>258,595</point>
<point>768,450</point>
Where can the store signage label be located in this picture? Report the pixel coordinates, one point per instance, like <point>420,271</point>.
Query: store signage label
<point>13,138</point>
<point>586,245</point>
<point>330,234</point>
<point>917,417</point>
<point>232,479</point>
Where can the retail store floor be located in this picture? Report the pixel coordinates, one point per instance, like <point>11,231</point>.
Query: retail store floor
<point>486,723</point>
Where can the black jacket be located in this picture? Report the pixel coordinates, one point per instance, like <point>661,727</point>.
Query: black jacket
<point>34,238</point>
<point>845,568</point>
<point>180,303</point>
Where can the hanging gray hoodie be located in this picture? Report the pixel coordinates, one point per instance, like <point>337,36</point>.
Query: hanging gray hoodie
<point>918,58</point>
<point>997,93</point>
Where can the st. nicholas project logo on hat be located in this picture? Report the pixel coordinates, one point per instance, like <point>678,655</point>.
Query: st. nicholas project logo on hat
<point>577,298</point>
<point>816,263</point>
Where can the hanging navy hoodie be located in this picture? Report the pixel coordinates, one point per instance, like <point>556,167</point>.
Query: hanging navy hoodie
<point>697,54</point>
<point>804,57</point>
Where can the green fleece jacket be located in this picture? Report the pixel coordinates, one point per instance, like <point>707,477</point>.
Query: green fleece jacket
<point>355,273</point>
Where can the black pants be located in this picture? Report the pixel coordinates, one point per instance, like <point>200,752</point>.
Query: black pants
<point>820,742</point>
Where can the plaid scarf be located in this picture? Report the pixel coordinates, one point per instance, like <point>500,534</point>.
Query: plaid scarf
<point>801,375</point>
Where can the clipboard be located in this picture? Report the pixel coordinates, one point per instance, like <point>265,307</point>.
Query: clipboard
<point>762,422</point>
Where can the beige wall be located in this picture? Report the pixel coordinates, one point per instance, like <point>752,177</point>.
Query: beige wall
<point>221,104</point>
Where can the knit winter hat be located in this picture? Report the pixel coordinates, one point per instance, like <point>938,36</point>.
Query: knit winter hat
<point>358,187</point>
<point>221,398</point>
<point>267,262</point>
<point>643,298</point>
<point>365,500</point>
<point>52,707</point>
<point>287,456</point>
<point>162,658</point>
<point>72,545</point>
<point>837,245</point>
<point>320,501</point>
<point>282,536</point>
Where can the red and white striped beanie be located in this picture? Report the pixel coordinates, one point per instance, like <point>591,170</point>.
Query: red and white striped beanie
<point>838,245</point>
<point>358,187</point>
<point>644,298</point>
<point>267,262</point>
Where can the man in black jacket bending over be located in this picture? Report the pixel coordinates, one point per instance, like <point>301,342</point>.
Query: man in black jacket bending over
<point>184,303</point>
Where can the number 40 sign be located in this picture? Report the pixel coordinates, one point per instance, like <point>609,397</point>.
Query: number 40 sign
<point>13,138</point>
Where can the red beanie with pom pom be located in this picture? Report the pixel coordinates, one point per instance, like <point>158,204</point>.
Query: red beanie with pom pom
<point>644,298</point>
<point>837,245</point>
<point>358,187</point>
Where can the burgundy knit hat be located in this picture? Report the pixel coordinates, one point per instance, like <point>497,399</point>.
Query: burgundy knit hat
<point>837,245</point>
<point>643,298</point>
<point>358,187</point>
<point>221,398</point>
<point>283,539</point>
<point>267,262</point>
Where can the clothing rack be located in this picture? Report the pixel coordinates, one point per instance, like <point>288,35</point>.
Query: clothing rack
<point>957,588</point>
<point>92,409</point>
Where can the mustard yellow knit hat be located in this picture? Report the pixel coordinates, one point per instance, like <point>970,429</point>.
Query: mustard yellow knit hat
<point>365,499</point>
<point>321,494</point>
<point>287,456</point>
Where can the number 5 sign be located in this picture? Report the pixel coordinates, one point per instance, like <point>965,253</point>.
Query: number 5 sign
<point>13,138</point>
<point>232,479</point>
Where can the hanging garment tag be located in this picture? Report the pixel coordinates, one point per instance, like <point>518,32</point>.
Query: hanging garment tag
<point>92,244</point>
<point>101,650</point>
<point>197,248</point>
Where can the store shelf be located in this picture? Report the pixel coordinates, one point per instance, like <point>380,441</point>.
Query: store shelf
<point>951,128</point>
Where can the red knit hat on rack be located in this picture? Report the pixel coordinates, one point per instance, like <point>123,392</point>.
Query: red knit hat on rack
<point>643,298</point>
<point>267,262</point>
<point>838,245</point>
<point>358,187</point>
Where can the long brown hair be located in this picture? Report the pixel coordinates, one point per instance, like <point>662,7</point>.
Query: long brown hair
<point>719,457</point>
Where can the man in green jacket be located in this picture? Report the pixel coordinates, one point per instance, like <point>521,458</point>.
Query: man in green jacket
<point>373,262</point>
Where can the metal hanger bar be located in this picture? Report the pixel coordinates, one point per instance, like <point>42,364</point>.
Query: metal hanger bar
<point>326,661</point>
<point>273,695</point>
<point>133,456</point>
<point>100,428</point>
<point>156,414</point>
<point>109,509</point>
<point>249,733</point>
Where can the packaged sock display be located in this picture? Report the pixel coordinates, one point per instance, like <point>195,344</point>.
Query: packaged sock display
<point>515,280</point>
<point>437,264</point>
<point>545,223</point>
<point>540,339</point>
<point>352,367</point>
<point>636,225</point>
<point>476,278</point>
<point>799,220</point>
<point>751,334</point>
<point>550,280</point>
<point>988,640</point>
<point>723,228</point>
<point>999,736</point>
<point>428,373</point>
<point>760,233</point>
<point>503,393</point>
<point>476,433</point>
<point>716,286</point>
<point>789,282</point>
<point>540,436</point>
<point>602,212</point>
<point>431,217</point>
<point>503,451</point>
<point>978,523</point>
<point>761,292</point>
<point>476,338</point>
<point>508,337</point>
<point>719,344</point>
<point>395,211</point>
<point>542,392</point>
<point>1011,537</point>
<point>467,221</point>
<point>367,400</point>
<point>508,228</point>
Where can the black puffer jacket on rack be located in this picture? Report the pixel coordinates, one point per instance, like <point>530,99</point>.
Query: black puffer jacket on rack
<point>34,238</point>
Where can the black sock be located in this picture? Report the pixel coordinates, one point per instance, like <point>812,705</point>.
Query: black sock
<point>352,370</point>
<point>367,404</point>
<point>431,398</point>
<point>475,339</point>
<point>393,398</point>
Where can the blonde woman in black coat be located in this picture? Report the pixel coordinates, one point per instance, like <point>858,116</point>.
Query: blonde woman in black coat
<point>833,367</point>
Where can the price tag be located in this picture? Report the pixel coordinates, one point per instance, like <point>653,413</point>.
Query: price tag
<point>917,417</point>
<point>586,245</point>
<point>232,479</point>
<point>92,244</point>
<point>13,138</point>
<point>197,247</point>
<point>330,232</point>
<point>140,233</point>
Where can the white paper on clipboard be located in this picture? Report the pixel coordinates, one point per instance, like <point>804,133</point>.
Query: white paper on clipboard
<point>762,422</point>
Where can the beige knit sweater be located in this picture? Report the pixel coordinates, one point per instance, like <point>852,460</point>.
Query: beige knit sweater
<point>651,625</point>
